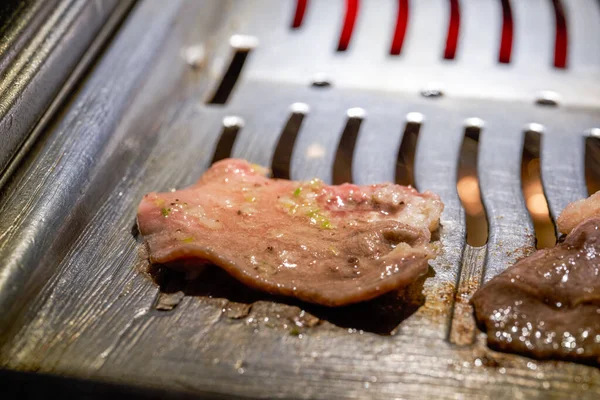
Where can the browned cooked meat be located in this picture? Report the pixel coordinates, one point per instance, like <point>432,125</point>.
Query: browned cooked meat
<point>548,305</point>
<point>578,211</point>
<point>332,245</point>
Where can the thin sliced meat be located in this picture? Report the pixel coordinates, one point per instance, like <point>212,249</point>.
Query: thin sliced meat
<point>548,305</point>
<point>578,211</point>
<point>332,245</point>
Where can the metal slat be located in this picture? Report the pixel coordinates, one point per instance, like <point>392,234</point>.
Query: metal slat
<point>426,34</point>
<point>583,24</point>
<point>317,142</point>
<point>563,154</point>
<point>533,40</point>
<point>378,143</point>
<point>436,170</point>
<point>32,78</point>
<point>563,170</point>
<point>373,31</point>
<point>257,140</point>
<point>479,35</point>
<point>31,209</point>
<point>511,234</point>
<point>306,51</point>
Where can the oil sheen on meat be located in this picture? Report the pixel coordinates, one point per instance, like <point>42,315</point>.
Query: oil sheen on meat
<point>332,245</point>
<point>548,305</point>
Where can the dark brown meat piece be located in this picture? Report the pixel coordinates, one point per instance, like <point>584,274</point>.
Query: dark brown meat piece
<point>548,305</point>
<point>332,245</point>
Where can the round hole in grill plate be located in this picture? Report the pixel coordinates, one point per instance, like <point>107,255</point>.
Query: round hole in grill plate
<point>548,98</point>
<point>320,80</point>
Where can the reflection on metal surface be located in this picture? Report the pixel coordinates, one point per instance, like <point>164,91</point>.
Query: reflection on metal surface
<point>36,59</point>
<point>315,150</point>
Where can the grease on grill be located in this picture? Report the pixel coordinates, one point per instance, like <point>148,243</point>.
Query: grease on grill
<point>239,303</point>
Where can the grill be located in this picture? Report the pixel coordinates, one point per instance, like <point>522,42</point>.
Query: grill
<point>501,98</point>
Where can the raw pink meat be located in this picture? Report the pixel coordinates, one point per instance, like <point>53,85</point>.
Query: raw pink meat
<point>332,245</point>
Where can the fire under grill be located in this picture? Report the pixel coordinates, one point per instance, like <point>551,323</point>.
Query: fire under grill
<point>494,105</point>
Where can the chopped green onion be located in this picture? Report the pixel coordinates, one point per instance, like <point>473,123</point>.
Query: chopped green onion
<point>297,192</point>
<point>165,211</point>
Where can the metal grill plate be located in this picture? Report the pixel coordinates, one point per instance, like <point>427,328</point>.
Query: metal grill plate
<point>74,302</point>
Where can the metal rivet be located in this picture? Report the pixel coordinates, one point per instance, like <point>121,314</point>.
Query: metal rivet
<point>195,56</point>
<point>320,80</point>
<point>233,121</point>
<point>548,98</point>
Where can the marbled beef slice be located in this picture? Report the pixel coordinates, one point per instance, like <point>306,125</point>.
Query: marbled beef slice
<point>331,245</point>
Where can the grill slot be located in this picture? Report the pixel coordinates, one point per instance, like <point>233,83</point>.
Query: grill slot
<point>242,45</point>
<point>283,152</point>
<point>453,30</point>
<point>405,174</point>
<point>400,29</point>
<point>342,164</point>
<point>507,33</point>
<point>592,161</point>
<point>299,13</point>
<point>561,36</point>
<point>468,185</point>
<point>348,26</point>
<point>532,188</point>
<point>231,126</point>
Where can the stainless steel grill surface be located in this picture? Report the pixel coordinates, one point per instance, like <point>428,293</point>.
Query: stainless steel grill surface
<point>367,91</point>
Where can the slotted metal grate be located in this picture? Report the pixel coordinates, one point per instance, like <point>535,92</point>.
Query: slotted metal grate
<point>366,91</point>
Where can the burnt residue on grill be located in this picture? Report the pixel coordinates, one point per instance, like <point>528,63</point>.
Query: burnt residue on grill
<point>381,315</point>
